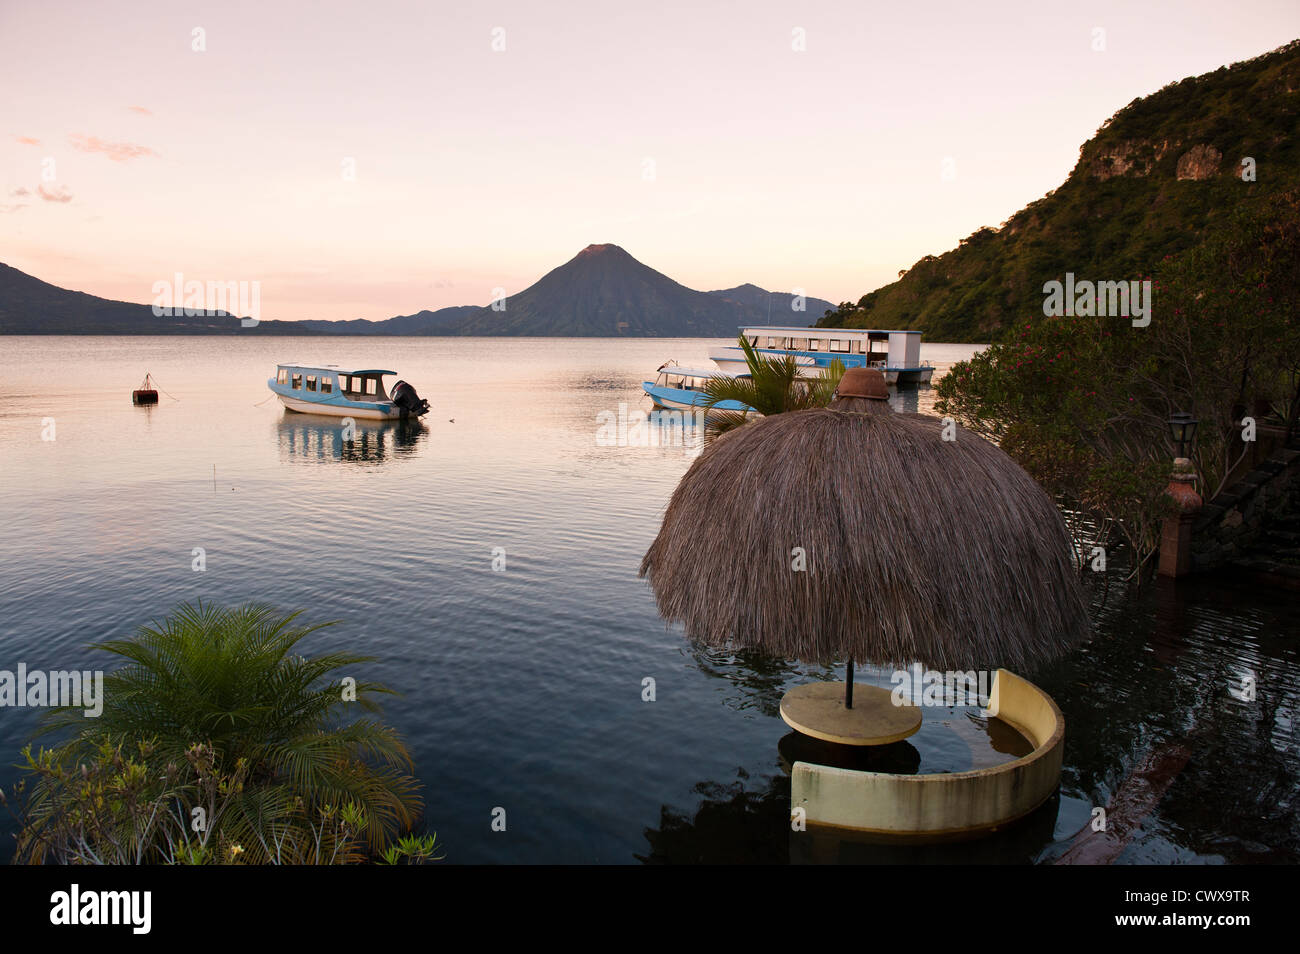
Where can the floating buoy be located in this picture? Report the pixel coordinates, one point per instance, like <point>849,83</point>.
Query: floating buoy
<point>145,394</point>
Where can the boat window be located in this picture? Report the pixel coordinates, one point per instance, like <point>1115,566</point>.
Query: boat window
<point>326,385</point>
<point>345,383</point>
<point>815,344</point>
<point>754,341</point>
<point>311,382</point>
<point>372,386</point>
<point>297,381</point>
<point>771,343</point>
<point>798,344</point>
<point>842,346</point>
<point>282,376</point>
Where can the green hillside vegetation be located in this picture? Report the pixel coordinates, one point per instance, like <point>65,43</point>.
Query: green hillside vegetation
<point>1083,402</point>
<point>1160,175</point>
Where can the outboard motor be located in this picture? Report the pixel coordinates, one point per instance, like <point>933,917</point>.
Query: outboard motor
<point>404,397</point>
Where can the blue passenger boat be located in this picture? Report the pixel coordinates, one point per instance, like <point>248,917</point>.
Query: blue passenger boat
<point>324,389</point>
<point>682,389</point>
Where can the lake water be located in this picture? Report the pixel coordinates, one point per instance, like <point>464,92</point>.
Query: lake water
<point>522,689</point>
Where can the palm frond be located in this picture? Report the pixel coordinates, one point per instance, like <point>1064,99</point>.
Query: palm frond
<point>229,681</point>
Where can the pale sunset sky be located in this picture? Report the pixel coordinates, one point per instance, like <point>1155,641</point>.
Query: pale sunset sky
<point>789,144</point>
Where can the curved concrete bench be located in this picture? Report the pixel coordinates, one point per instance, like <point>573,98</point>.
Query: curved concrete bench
<point>945,805</point>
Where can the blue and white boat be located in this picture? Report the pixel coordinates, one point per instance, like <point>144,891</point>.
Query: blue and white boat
<point>325,389</point>
<point>682,389</point>
<point>896,353</point>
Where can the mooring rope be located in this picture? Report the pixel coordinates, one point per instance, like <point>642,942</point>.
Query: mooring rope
<point>148,375</point>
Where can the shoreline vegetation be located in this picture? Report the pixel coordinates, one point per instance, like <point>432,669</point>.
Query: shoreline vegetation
<point>1083,402</point>
<point>220,744</point>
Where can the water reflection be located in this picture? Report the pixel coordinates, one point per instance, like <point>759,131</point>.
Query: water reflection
<point>758,680</point>
<point>897,758</point>
<point>732,822</point>
<point>1018,843</point>
<point>645,426</point>
<point>730,826</point>
<point>907,400</point>
<point>307,438</point>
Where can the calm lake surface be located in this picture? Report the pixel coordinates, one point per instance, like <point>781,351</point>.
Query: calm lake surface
<point>522,689</point>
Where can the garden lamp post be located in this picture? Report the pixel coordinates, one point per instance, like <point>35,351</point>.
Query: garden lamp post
<point>1176,534</point>
<point>1182,426</point>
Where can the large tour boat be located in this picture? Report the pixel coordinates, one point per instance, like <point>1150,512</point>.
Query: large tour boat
<point>897,354</point>
<point>325,389</point>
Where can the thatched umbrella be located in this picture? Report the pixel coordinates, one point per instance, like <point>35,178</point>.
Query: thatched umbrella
<point>915,548</point>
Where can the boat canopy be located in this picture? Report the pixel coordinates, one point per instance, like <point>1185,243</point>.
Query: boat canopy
<point>293,365</point>
<point>694,373</point>
<point>806,330</point>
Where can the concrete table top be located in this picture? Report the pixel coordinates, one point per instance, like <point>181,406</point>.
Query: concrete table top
<point>817,709</point>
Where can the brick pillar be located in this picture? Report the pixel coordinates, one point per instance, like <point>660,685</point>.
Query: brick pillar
<point>1176,533</point>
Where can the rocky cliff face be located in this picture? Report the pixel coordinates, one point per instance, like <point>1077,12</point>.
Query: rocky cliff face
<point>1128,157</point>
<point>1138,158</point>
<point>1199,163</point>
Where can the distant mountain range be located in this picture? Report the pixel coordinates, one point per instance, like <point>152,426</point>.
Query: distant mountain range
<point>601,292</point>
<point>1160,174</point>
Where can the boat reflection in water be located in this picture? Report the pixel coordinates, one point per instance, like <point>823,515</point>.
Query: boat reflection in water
<point>907,400</point>
<point>308,438</point>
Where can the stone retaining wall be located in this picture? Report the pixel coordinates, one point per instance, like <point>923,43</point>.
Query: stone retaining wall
<point>1232,525</point>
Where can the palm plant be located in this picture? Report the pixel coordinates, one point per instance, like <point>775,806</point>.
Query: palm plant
<point>772,386</point>
<point>283,764</point>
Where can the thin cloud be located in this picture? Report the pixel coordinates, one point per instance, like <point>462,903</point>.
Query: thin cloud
<point>141,110</point>
<point>57,194</point>
<point>21,190</point>
<point>28,140</point>
<point>117,151</point>
<point>12,207</point>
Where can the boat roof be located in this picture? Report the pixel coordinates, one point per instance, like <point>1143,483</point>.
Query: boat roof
<point>329,367</point>
<point>693,372</point>
<point>821,332</point>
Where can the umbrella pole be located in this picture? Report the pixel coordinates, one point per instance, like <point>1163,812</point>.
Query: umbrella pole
<point>848,687</point>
